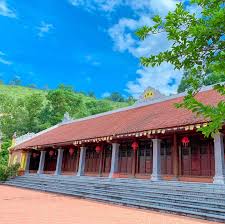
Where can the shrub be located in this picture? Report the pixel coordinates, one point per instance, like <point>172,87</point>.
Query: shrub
<point>7,172</point>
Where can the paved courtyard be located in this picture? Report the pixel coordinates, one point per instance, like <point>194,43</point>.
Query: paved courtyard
<point>31,207</point>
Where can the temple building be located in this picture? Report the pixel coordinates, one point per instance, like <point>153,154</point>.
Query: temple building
<point>151,139</point>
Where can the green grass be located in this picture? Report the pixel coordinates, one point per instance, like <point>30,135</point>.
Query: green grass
<point>19,91</point>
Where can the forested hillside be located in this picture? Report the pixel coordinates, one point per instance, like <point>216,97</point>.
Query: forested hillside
<point>24,109</point>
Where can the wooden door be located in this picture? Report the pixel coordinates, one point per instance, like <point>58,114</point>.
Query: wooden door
<point>125,158</point>
<point>34,160</point>
<point>166,157</point>
<point>198,158</point>
<point>70,162</point>
<point>92,160</point>
<point>50,161</point>
<point>144,159</point>
<point>106,157</point>
<point>185,161</point>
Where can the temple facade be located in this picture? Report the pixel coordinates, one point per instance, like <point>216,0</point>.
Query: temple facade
<point>152,140</point>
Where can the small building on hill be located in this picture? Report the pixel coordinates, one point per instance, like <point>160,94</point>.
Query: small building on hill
<point>152,139</point>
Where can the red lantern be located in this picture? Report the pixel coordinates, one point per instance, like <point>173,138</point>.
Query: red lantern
<point>185,141</point>
<point>34,155</point>
<point>134,146</point>
<point>71,151</point>
<point>51,152</point>
<point>98,149</point>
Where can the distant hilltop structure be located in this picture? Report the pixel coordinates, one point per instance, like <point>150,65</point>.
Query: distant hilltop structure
<point>148,95</point>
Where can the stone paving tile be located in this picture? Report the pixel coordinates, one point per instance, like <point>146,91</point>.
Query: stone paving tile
<point>21,206</point>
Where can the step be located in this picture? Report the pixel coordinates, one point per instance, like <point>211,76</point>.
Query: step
<point>134,194</point>
<point>141,189</point>
<point>146,183</point>
<point>166,195</point>
<point>142,204</point>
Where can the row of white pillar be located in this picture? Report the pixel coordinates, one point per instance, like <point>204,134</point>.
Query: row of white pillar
<point>219,177</point>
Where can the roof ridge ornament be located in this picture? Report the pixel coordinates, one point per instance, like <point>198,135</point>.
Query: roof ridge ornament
<point>149,95</point>
<point>66,118</point>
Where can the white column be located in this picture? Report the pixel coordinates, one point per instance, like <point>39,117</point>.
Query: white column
<point>27,164</point>
<point>156,169</point>
<point>80,171</point>
<point>41,162</point>
<point>114,160</point>
<point>59,162</point>
<point>219,177</point>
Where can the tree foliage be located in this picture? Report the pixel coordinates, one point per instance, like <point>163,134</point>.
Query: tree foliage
<point>7,172</point>
<point>213,77</point>
<point>198,45</point>
<point>39,110</point>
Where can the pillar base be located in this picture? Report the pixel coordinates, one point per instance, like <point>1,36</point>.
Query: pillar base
<point>57,174</point>
<point>80,174</point>
<point>156,178</point>
<point>219,180</point>
<point>175,178</point>
<point>111,175</point>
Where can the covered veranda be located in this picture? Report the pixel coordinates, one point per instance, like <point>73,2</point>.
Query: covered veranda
<point>185,156</point>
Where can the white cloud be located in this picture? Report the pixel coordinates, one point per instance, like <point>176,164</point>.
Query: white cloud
<point>93,5</point>
<point>157,77</point>
<point>160,77</point>
<point>105,94</point>
<point>124,40</point>
<point>138,7</point>
<point>6,62</point>
<point>5,10</point>
<point>164,77</point>
<point>3,60</point>
<point>44,28</point>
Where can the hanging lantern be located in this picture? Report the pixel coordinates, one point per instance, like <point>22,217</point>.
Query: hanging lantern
<point>98,149</point>
<point>34,155</point>
<point>135,146</point>
<point>185,141</point>
<point>51,152</point>
<point>71,151</point>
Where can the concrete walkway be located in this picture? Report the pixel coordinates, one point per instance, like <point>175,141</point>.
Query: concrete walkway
<point>30,207</point>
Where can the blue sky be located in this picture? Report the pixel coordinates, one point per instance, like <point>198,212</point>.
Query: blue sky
<point>89,44</point>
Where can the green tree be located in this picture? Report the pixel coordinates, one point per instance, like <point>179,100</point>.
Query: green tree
<point>20,115</point>
<point>100,106</point>
<point>60,101</point>
<point>213,77</point>
<point>4,154</point>
<point>33,106</point>
<point>198,44</point>
<point>116,97</point>
<point>91,94</point>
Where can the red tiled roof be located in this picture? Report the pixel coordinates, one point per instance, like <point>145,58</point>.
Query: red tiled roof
<point>153,116</point>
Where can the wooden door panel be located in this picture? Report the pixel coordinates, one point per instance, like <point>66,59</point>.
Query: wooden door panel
<point>195,165</point>
<point>129,165</point>
<point>205,165</point>
<point>107,165</point>
<point>169,165</point>
<point>69,161</point>
<point>141,164</point>
<point>186,165</point>
<point>148,166</point>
